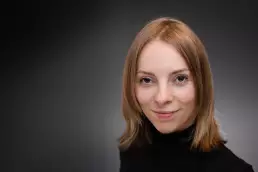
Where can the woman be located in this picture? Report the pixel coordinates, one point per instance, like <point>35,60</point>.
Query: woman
<point>168,105</point>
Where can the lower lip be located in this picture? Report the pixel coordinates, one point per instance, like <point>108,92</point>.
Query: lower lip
<point>165,116</point>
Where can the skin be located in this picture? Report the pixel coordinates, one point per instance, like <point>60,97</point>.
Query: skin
<point>164,83</point>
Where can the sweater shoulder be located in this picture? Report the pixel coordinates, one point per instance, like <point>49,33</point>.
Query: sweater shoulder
<point>134,159</point>
<point>224,159</point>
<point>132,153</point>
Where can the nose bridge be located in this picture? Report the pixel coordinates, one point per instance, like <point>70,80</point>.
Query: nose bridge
<point>163,93</point>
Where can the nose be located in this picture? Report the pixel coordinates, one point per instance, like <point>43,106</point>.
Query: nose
<point>163,95</point>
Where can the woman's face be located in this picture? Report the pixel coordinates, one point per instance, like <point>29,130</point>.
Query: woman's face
<point>165,88</point>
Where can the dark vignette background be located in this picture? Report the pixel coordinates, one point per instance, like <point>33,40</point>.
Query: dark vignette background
<point>61,77</point>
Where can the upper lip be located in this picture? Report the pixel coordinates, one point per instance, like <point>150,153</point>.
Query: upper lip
<point>162,111</point>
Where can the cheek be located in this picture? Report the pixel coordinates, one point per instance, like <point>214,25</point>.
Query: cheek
<point>144,96</point>
<point>186,95</point>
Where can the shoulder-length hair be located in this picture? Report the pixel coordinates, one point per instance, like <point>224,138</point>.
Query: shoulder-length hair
<point>187,43</point>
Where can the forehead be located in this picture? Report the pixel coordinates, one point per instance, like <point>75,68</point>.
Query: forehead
<point>159,55</point>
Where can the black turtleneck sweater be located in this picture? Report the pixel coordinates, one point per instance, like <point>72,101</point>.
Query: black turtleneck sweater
<point>171,153</point>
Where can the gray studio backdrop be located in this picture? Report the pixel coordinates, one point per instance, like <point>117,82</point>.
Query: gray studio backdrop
<point>63,87</point>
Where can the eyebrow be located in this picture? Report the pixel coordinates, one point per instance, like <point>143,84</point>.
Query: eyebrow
<point>172,73</point>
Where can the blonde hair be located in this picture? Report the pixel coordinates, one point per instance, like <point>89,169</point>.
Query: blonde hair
<point>187,43</point>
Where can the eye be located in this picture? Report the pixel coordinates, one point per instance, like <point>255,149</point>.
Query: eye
<point>181,79</point>
<point>145,80</point>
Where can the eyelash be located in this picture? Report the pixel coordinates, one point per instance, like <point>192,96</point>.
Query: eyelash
<point>185,79</point>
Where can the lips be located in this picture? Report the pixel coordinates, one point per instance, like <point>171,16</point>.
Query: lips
<point>165,112</point>
<point>165,115</point>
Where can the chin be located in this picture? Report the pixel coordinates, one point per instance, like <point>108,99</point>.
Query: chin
<point>165,129</point>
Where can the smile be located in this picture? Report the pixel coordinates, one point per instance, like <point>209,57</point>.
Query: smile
<point>165,115</point>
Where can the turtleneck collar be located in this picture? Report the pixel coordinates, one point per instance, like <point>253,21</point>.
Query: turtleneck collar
<point>178,137</point>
